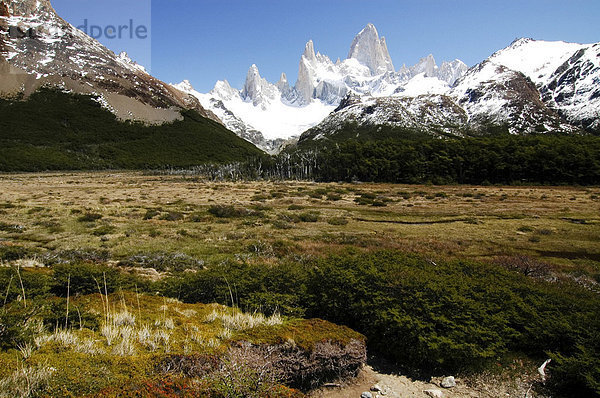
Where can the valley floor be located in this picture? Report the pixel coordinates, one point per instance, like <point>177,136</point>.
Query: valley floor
<point>148,213</point>
<point>481,272</point>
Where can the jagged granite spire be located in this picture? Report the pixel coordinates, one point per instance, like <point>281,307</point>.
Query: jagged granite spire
<point>309,51</point>
<point>371,51</point>
<point>304,85</point>
<point>426,65</point>
<point>257,89</point>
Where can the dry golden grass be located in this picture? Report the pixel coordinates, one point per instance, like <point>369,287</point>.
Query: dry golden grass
<point>561,225</point>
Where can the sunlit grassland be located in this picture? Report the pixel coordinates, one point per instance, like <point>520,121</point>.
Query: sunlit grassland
<point>134,213</point>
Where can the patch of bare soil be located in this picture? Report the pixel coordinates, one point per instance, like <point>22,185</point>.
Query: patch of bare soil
<point>384,383</point>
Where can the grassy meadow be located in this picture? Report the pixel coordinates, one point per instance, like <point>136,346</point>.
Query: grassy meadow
<point>441,278</point>
<point>131,213</point>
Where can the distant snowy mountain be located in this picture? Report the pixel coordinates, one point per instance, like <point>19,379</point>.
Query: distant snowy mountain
<point>566,74</point>
<point>530,86</point>
<point>267,113</point>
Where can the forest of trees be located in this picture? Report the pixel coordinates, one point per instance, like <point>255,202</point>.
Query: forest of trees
<point>505,159</point>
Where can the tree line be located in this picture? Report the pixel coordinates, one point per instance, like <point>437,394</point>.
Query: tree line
<point>506,159</point>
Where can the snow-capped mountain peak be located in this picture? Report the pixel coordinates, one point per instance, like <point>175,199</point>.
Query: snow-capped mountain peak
<point>39,48</point>
<point>280,110</point>
<point>224,91</point>
<point>536,59</point>
<point>371,51</point>
<point>258,90</point>
<point>309,51</point>
<point>426,65</point>
<point>184,86</point>
<point>451,71</point>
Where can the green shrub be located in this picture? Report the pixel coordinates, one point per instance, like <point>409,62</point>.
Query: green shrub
<point>442,317</point>
<point>10,253</point>
<point>151,213</point>
<point>281,224</point>
<point>89,217</point>
<point>309,217</point>
<point>13,330</point>
<point>84,278</point>
<point>223,211</point>
<point>525,228</point>
<point>259,197</point>
<point>337,221</point>
<point>35,284</point>
<point>172,216</point>
<point>104,230</point>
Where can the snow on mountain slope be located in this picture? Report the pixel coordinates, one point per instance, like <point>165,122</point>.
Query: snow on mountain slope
<point>494,94</point>
<point>574,88</point>
<point>270,115</point>
<point>567,75</point>
<point>227,103</point>
<point>435,115</point>
<point>421,84</point>
<point>282,111</point>
<point>536,59</point>
<point>501,92</point>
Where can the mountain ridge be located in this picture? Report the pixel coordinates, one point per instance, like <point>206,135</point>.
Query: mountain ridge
<point>38,47</point>
<point>531,86</point>
<point>68,102</point>
<point>267,112</point>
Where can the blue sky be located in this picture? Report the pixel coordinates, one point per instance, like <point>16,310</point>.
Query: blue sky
<point>208,40</point>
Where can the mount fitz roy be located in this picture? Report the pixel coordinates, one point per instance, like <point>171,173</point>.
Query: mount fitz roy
<point>529,87</point>
<point>270,114</point>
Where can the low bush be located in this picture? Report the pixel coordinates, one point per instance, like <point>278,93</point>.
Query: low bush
<point>11,253</point>
<point>436,317</point>
<point>89,217</point>
<point>223,211</point>
<point>172,216</point>
<point>337,221</point>
<point>151,213</point>
<point>309,217</point>
<point>12,228</point>
<point>104,230</point>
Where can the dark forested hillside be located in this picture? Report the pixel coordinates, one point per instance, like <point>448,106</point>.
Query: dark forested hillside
<point>54,130</point>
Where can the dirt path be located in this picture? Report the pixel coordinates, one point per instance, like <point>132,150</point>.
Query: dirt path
<point>397,386</point>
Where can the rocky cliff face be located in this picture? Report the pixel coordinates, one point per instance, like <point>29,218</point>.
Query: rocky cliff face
<point>28,8</point>
<point>566,74</point>
<point>40,48</point>
<point>369,50</point>
<point>434,115</point>
<point>492,94</point>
